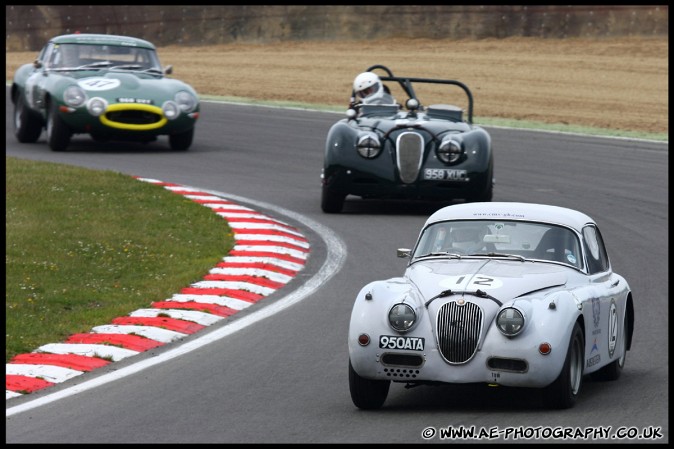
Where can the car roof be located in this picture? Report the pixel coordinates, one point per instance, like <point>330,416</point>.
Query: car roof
<point>512,211</point>
<point>102,39</point>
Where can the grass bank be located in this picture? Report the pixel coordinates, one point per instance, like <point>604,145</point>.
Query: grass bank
<point>84,247</point>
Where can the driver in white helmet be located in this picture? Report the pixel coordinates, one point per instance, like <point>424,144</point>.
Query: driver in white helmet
<point>468,239</point>
<point>369,88</point>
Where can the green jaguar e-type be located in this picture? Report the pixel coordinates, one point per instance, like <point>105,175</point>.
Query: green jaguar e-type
<point>110,87</point>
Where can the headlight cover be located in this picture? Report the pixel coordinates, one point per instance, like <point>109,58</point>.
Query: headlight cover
<point>450,149</point>
<point>171,110</point>
<point>74,96</point>
<point>369,146</point>
<point>186,101</point>
<point>97,106</point>
<point>510,321</point>
<point>402,317</point>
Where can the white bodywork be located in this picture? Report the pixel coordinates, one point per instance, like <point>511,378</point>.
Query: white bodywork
<point>551,296</point>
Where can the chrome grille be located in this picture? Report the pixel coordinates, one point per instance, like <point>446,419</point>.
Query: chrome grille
<point>458,330</point>
<point>409,151</point>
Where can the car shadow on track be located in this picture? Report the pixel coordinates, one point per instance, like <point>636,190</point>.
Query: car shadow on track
<point>82,144</point>
<point>479,397</point>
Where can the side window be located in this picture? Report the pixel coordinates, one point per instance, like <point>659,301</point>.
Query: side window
<point>45,53</point>
<point>55,55</point>
<point>597,259</point>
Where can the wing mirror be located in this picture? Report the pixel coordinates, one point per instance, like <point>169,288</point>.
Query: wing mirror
<point>403,252</point>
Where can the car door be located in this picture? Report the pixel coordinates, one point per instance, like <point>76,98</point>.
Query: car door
<point>602,331</point>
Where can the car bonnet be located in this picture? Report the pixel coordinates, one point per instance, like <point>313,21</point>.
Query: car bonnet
<point>503,280</point>
<point>113,84</point>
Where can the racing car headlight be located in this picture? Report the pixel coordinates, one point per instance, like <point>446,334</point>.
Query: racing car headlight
<point>186,101</point>
<point>401,317</point>
<point>97,106</point>
<point>449,150</point>
<point>510,321</point>
<point>74,96</point>
<point>171,110</point>
<point>369,146</point>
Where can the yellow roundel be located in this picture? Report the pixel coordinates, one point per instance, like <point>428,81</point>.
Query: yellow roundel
<point>134,107</point>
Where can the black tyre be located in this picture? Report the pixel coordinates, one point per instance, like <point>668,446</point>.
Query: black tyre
<point>58,133</point>
<point>487,193</point>
<point>563,392</point>
<point>181,141</point>
<point>367,394</point>
<point>331,202</point>
<point>27,124</point>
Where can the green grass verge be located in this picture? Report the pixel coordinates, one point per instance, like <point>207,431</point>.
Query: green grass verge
<point>84,247</point>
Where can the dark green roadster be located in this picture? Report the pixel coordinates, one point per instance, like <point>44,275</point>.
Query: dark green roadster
<point>420,151</point>
<point>110,87</point>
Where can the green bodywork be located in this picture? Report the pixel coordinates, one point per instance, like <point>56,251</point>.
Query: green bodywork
<point>121,73</point>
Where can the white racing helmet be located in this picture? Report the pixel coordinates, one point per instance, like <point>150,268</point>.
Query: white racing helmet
<point>468,238</point>
<point>368,87</point>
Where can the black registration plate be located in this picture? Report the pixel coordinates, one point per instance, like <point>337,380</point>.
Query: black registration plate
<point>398,342</point>
<point>445,174</point>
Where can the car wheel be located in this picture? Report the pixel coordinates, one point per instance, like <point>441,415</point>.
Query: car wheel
<point>613,370</point>
<point>487,194</point>
<point>366,393</point>
<point>58,133</point>
<point>181,141</point>
<point>27,125</point>
<point>563,392</point>
<point>331,202</point>
<point>490,191</point>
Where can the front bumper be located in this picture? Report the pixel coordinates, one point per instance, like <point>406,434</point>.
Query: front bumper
<point>371,185</point>
<point>127,119</point>
<point>492,364</point>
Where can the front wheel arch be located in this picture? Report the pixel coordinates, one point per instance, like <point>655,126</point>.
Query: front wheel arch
<point>58,132</point>
<point>563,392</point>
<point>367,394</point>
<point>331,202</point>
<point>181,141</point>
<point>487,192</point>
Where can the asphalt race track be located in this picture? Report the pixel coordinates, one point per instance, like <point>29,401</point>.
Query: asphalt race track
<point>283,379</point>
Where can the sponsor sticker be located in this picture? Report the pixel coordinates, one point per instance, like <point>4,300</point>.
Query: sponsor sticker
<point>470,282</point>
<point>593,360</point>
<point>612,328</point>
<point>99,83</point>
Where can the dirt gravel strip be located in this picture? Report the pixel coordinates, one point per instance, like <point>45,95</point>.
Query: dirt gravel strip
<point>267,254</point>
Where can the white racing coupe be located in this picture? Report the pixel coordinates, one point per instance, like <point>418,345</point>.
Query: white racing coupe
<point>508,294</point>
